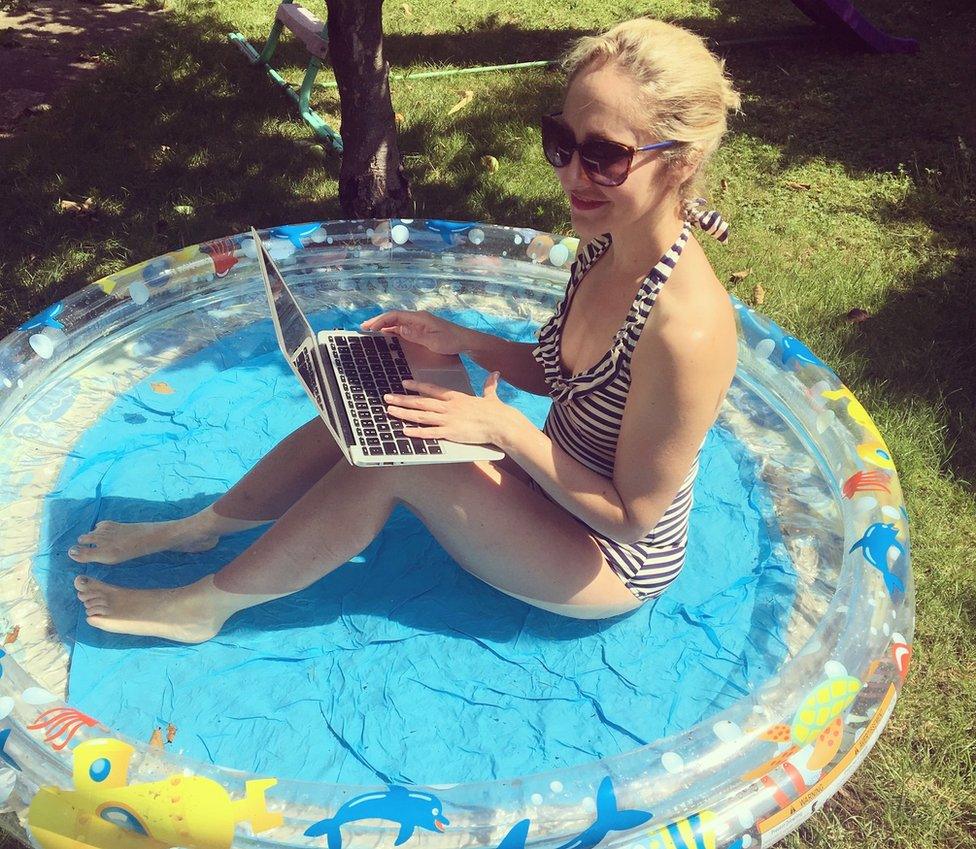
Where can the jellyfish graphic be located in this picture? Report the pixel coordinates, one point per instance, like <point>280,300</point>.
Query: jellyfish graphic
<point>60,724</point>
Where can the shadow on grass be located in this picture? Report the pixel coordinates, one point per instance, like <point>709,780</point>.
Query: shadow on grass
<point>882,114</point>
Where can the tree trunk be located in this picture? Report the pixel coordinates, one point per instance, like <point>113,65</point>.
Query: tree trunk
<point>371,179</point>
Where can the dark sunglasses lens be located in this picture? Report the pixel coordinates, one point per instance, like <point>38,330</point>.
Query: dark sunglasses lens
<point>558,143</point>
<point>606,163</point>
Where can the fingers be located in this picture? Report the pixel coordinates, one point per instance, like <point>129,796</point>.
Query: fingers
<point>427,432</point>
<point>431,389</point>
<point>416,402</point>
<point>411,414</point>
<point>394,319</point>
<point>390,318</point>
<point>490,388</point>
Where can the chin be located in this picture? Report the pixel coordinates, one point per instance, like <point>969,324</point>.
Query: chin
<point>589,226</point>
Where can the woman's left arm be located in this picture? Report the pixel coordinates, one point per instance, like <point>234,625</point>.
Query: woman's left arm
<point>679,375</point>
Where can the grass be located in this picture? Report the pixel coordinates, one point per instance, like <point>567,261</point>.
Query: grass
<point>848,180</point>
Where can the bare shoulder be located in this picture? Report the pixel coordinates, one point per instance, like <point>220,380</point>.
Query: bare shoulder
<point>691,332</point>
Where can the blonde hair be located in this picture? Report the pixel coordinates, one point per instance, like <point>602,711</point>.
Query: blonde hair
<point>685,93</point>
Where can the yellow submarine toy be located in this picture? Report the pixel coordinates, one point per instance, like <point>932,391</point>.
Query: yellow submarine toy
<point>105,812</point>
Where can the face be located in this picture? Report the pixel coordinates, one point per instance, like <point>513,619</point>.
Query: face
<point>600,103</point>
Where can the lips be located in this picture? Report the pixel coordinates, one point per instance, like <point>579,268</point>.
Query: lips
<point>584,203</point>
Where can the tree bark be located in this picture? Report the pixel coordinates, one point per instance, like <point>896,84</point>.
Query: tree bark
<point>371,179</point>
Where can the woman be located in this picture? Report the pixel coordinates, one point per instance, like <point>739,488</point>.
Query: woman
<point>588,517</point>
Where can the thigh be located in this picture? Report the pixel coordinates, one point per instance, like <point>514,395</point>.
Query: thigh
<point>514,538</point>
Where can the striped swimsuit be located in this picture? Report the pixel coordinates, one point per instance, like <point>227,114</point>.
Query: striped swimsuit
<point>588,408</point>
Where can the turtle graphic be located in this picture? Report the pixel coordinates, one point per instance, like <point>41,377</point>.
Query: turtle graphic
<point>818,722</point>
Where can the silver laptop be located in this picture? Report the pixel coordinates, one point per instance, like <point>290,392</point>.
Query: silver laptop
<point>346,374</point>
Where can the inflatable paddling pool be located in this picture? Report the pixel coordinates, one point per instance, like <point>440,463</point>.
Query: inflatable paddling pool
<point>403,701</point>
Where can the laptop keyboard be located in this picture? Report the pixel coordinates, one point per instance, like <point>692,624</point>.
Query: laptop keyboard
<point>303,362</point>
<point>370,367</point>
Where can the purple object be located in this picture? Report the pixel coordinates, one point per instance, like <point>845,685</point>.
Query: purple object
<point>841,17</point>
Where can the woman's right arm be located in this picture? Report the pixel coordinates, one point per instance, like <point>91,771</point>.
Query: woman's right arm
<point>513,360</point>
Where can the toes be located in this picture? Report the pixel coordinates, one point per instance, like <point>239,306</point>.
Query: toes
<point>87,586</point>
<point>82,554</point>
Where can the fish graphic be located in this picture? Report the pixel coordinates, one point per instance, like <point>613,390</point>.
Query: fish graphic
<point>410,808</point>
<point>608,819</point>
<point>877,541</point>
<point>696,831</point>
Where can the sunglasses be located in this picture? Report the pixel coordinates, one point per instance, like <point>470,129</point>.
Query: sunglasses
<point>605,162</point>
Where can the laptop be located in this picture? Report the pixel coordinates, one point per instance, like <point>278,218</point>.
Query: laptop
<point>346,373</point>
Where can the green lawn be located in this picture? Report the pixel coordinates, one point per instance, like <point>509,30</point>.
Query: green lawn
<point>848,181</point>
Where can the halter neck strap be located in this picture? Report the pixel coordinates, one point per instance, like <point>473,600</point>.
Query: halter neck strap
<point>707,219</point>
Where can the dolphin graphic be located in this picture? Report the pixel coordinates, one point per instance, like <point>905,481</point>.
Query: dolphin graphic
<point>448,229</point>
<point>295,232</point>
<point>48,318</point>
<point>410,808</point>
<point>877,541</point>
<point>794,349</point>
<point>608,819</point>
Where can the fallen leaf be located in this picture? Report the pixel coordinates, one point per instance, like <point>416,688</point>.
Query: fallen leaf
<point>398,118</point>
<point>736,276</point>
<point>857,315</point>
<point>466,98</point>
<point>170,732</point>
<point>725,184</point>
<point>162,388</point>
<point>490,163</point>
<point>793,184</point>
<point>758,294</point>
<point>183,209</point>
<point>156,741</point>
<point>12,635</point>
<point>86,207</point>
<point>407,11</point>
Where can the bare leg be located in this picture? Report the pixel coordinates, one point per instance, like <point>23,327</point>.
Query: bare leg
<point>263,495</point>
<point>544,556</point>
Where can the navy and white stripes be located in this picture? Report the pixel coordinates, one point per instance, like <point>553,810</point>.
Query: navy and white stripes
<point>588,409</point>
<point>708,219</point>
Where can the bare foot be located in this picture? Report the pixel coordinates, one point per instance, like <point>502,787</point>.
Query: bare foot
<point>190,614</point>
<point>115,542</point>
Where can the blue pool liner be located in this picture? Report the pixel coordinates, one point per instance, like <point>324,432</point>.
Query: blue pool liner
<point>398,666</point>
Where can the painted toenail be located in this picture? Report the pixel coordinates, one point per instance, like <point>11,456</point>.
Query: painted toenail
<point>73,549</point>
<point>83,580</point>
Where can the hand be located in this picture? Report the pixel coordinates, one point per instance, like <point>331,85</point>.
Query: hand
<point>435,334</point>
<point>442,413</point>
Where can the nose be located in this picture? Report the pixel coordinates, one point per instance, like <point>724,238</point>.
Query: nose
<point>573,176</point>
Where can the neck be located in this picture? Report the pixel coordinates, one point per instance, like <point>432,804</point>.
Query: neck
<point>637,247</point>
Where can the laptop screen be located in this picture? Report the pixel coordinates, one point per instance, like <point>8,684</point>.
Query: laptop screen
<point>295,330</point>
